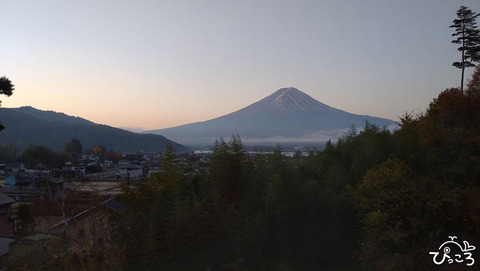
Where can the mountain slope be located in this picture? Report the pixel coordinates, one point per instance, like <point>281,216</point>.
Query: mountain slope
<point>51,116</point>
<point>24,129</point>
<point>287,115</point>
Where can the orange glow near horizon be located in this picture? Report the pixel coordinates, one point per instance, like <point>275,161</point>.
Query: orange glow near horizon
<point>173,63</point>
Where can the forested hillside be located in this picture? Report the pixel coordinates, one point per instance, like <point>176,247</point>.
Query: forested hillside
<point>28,126</point>
<point>375,200</point>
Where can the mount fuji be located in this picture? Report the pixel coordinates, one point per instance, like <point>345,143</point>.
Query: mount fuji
<point>286,116</point>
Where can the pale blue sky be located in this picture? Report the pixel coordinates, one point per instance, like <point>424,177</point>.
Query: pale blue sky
<point>156,64</point>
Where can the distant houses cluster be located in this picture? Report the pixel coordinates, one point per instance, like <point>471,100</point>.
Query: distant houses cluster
<point>30,184</point>
<point>37,184</point>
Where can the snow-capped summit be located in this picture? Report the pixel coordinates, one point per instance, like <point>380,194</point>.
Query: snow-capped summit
<point>287,100</point>
<point>287,115</point>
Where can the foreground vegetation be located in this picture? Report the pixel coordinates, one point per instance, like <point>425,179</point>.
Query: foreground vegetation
<point>375,200</point>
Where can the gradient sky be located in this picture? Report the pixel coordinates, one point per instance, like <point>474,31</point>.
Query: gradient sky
<point>157,64</point>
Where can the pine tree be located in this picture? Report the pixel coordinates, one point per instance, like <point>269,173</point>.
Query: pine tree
<point>468,37</point>
<point>6,88</point>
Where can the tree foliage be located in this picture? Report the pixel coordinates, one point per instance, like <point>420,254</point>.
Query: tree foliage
<point>74,148</point>
<point>6,88</point>
<point>468,37</point>
<point>40,156</point>
<point>392,211</point>
<point>8,153</point>
<point>375,200</point>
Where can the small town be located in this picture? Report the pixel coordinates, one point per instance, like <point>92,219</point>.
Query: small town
<point>72,196</point>
<point>40,203</point>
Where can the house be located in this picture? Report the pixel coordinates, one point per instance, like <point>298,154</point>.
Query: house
<point>127,171</point>
<point>14,167</point>
<point>27,187</point>
<point>90,157</point>
<point>22,179</point>
<point>148,157</point>
<point>113,204</point>
<point>91,228</point>
<point>108,164</point>
<point>21,194</point>
<point>4,251</point>
<point>22,186</point>
<point>150,167</point>
<point>74,170</point>
<point>6,223</point>
<point>123,162</point>
<point>6,229</point>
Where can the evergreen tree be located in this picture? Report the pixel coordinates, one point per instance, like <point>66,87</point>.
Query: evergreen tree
<point>390,205</point>
<point>228,168</point>
<point>6,88</point>
<point>74,148</point>
<point>468,37</point>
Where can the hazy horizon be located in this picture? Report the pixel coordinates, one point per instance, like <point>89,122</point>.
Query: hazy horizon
<point>154,65</point>
<point>312,137</point>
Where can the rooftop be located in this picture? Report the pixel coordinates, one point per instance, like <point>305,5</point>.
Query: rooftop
<point>4,199</point>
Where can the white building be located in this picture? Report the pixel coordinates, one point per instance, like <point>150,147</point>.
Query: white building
<point>130,171</point>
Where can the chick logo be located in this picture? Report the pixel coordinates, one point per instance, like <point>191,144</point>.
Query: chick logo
<point>452,251</point>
